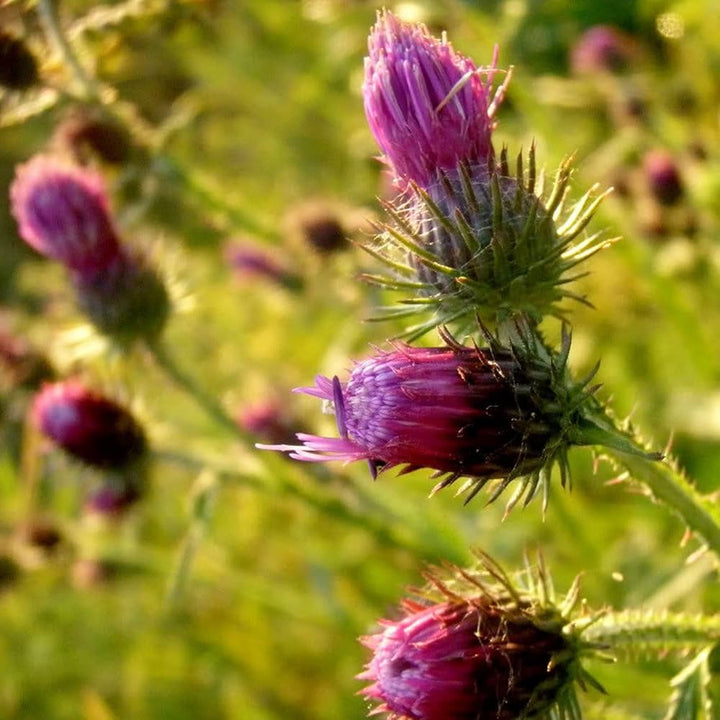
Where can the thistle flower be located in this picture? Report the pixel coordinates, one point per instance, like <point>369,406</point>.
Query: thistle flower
<point>427,106</point>
<point>467,237</point>
<point>89,426</point>
<point>482,413</point>
<point>62,212</point>
<point>474,647</point>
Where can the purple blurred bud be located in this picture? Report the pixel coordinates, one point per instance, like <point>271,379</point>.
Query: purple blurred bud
<point>62,212</point>
<point>601,48</point>
<point>89,426</point>
<point>663,177</point>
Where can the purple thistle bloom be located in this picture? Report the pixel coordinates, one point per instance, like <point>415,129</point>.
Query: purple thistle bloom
<point>427,106</point>
<point>601,48</point>
<point>458,410</point>
<point>89,426</point>
<point>62,212</point>
<point>463,660</point>
<point>663,177</point>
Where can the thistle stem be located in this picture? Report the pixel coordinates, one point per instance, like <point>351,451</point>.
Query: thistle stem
<point>670,487</point>
<point>202,398</point>
<point>640,631</point>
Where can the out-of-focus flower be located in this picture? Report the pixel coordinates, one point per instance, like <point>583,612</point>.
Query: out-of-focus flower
<point>250,260</point>
<point>602,48</point>
<point>268,421</point>
<point>428,107</point>
<point>89,426</point>
<point>112,498</point>
<point>475,650</point>
<point>62,212</point>
<point>89,133</point>
<point>662,176</point>
<point>319,225</point>
<point>482,413</point>
<point>18,66</point>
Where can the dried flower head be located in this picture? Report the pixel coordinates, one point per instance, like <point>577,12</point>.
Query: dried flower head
<point>481,413</point>
<point>472,647</point>
<point>18,66</point>
<point>90,133</point>
<point>89,426</point>
<point>62,212</point>
<point>428,107</point>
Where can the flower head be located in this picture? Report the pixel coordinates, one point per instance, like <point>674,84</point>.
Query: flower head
<point>89,426</point>
<point>427,106</point>
<point>62,212</point>
<point>479,650</point>
<point>483,413</point>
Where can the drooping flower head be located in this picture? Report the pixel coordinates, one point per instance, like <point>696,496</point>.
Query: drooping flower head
<point>470,652</point>
<point>89,426</point>
<point>427,106</point>
<point>62,212</point>
<point>482,413</point>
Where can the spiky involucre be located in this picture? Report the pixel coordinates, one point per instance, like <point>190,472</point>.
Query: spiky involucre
<point>483,242</point>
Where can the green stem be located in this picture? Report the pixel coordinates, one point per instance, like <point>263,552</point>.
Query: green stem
<point>672,488</point>
<point>207,402</point>
<point>51,23</point>
<point>642,632</point>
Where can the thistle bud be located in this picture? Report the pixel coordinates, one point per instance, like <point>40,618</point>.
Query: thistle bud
<point>663,177</point>
<point>481,413</point>
<point>473,651</point>
<point>427,106</point>
<point>18,66</point>
<point>127,302</point>
<point>89,426</point>
<point>113,498</point>
<point>62,212</point>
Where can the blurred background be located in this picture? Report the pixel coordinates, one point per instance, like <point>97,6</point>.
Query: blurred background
<point>237,152</point>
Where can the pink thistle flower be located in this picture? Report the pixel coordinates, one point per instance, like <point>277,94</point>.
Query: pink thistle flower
<point>89,426</point>
<point>427,106</point>
<point>62,212</point>
<point>463,660</point>
<point>461,411</point>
